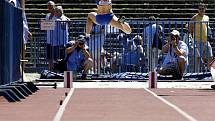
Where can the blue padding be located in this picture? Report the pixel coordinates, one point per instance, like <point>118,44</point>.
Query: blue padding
<point>11,29</point>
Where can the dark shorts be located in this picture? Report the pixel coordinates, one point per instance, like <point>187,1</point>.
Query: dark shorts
<point>55,52</point>
<point>172,69</point>
<point>104,19</point>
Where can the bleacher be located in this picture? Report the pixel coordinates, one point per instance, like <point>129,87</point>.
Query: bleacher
<point>134,10</point>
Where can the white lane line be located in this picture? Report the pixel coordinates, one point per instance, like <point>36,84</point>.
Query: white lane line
<point>61,110</point>
<point>186,115</point>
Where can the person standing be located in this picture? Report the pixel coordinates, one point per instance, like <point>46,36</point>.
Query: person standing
<point>59,37</point>
<point>199,27</point>
<point>152,35</point>
<point>49,33</point>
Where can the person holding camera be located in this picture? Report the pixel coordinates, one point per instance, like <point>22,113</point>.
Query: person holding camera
<point>79,59</point>
<point>176,60</point>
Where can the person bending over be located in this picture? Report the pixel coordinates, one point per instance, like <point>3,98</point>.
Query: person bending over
<point>104,16</point>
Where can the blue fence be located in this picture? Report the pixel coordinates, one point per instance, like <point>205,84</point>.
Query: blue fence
<point>10,44</point>
<point>108,47</point>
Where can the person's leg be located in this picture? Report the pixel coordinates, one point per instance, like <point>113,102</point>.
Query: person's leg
<point>91,19</point>
<point>198,56</point>
<point>122,26</point>
<point>164,70</point>
<point>209,54</point>
<point>181,64</point>
<point>88,64</point>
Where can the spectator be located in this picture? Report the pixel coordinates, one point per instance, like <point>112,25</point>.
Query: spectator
<point>79,57</point>
<point>153,38</point>
<point>51,9</point>
<point>56,49</point>
<point>96,43</point>
<point>188,39</point>
<point>176,59</point>
<point>199,30</point>
<point>104,16</point>
<point>49,35</point>
<point>132,58</point>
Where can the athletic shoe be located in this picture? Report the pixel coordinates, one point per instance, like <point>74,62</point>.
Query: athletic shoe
<point>122,19</point>
<point>84,76</point>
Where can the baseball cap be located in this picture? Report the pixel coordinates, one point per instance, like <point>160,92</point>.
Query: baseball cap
<point>175,32</point>
<point>81,38</point>
<point>50,3</point>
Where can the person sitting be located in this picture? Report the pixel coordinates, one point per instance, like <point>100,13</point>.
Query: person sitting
<point>176,59</point>
<point>104,16</point>
<point>153,37</point>
<point>133,54</point>
<point>79,57</point>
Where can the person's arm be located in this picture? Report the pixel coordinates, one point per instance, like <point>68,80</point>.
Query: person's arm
<point>85,52</point>
<point>178,52</point>
<point>71,47</point>
<point>165,48</point>
<point>191,26</point>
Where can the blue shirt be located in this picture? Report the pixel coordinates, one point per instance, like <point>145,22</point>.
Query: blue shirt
<point>60,35</point>
<point>149,33</point>
<point>76,58</point>
<point>132,53</point>
<point>49,35</point>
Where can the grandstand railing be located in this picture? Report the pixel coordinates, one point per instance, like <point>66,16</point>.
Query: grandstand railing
<point>114,47</point>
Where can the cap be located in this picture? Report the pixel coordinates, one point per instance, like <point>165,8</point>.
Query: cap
<point>50,3</point>
<point>175,32</point>
<point>81,38</point>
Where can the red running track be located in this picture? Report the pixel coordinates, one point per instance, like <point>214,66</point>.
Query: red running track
<point>112,104</point>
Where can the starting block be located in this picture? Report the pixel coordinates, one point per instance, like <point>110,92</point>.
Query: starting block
<point>68,79</point>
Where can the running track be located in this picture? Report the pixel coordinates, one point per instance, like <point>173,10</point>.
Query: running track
<point>112,104</point>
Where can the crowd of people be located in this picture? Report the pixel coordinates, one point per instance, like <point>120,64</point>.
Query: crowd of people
<point>86,52</point>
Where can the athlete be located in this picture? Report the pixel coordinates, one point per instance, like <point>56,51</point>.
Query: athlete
<point>104,16</point>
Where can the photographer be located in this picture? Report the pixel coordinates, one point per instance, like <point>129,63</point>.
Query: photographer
<point>176,59</point>
<point>79,57</point>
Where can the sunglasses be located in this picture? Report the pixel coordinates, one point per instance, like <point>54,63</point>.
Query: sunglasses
<point>201,8</point>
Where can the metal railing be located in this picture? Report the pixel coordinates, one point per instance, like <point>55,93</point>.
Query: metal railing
<point>112,58</point>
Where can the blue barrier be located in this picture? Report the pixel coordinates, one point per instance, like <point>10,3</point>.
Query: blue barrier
<point>11,41</point>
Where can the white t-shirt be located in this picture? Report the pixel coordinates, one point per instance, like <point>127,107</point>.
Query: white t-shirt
<point>172,57</point>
